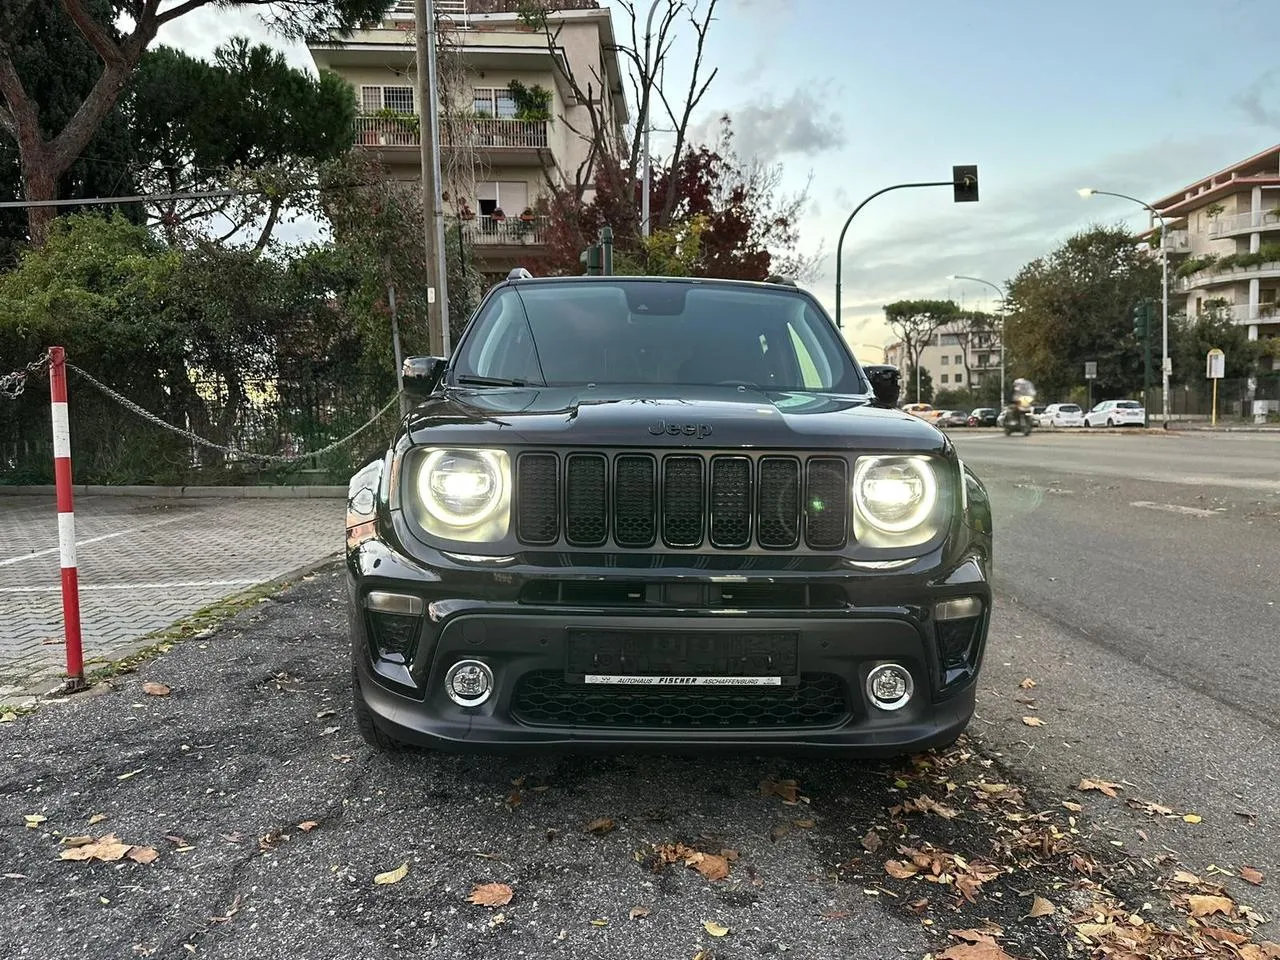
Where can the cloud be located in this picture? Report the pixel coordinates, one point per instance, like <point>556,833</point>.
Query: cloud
<point>1260,101</point>
<point>203,30</point>
<point>770,128</point>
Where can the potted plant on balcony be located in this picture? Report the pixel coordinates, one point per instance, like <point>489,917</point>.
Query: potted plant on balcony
<point>527,215</point>
<point>498,216</point>
<point>532,103</point>
<point>465,212</point>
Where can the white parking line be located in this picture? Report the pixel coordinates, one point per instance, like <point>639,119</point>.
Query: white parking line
<point>1175,508</point>
<point>84,543</point>
<point>86,588</point>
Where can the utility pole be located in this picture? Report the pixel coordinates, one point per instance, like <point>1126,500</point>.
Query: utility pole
<point>432,208</point>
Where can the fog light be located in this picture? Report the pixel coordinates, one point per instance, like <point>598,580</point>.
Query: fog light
<point>958,608</point>
<point>469,683</point>
<point>889,686</point>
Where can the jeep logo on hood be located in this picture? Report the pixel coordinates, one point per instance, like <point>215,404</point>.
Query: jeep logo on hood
<point>699,430</point>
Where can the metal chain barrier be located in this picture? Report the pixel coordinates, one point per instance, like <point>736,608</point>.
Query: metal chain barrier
<point>12,384</point>
<point>196,438</point>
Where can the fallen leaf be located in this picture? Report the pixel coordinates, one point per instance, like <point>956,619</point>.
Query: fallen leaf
<point>1027,684</point>
<point>143,854</point>
<point>601,825</point>
<point>920,905</point>
<point>1040,907</point>
<point>1073,807</point>
<point>986,950</point>
<point>899,870</point>
<point>1154,809</point>
<point>1224,936</point>
<point>1182,876</point>
<point>1250,875</point>
<point>306,826</point>
<point>1102,786</point>
<point>599,923</point>
<point>872,842</point>
<point>977,936</point>
<point>156,689</point>
<point>107,848</point>
<point>33,820</point>
<point>131,773</point>
<point>1033,721</point>
<point>730,854</point>
<point>1192,817</point>
<point>392,876</point>
<point>710,865</point>
<point>329,730</point>
<point>806,824</point>
<point>715,929</point>
<point>637,912</point>
<point>491,895</point>
<point>97,818</point>
<point>321,714</point>
<point>788,790</point>
<point>1203,905</point>
<point>76,841</point>
<point>778,831</point>
<point>8,717</point>
<point>835,914</point>
<point>993,787</point>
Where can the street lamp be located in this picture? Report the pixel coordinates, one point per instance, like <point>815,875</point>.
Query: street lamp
<point>1000,291</point>
<point>1166,367</point>
<point>644,188</point>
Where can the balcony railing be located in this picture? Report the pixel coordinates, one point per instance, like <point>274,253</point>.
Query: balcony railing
<point>1246,313</point>
<point>1219,275</point>
<point>1178,241</point>
<point>482,132</point>
<point>462,9</point>
<point>1244,223</point>
<point>486,231</point>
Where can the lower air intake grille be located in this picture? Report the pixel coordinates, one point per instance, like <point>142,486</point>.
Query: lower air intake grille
<point>544,698</point>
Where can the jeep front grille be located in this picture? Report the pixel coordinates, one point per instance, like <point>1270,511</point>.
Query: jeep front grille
<point>682,500</point>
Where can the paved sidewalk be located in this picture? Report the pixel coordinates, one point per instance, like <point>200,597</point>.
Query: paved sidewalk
<point>144,563</point>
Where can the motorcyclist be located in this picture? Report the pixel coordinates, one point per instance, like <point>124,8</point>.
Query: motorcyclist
<point>1018,414</point>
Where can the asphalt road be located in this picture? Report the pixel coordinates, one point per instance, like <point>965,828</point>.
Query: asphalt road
<point>1138,582</point>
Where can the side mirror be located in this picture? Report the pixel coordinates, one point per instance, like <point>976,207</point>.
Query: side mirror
<point>422,375</point>
<point>885,383</point>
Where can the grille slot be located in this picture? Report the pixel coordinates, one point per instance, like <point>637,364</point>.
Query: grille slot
<point>730,502</point>
<point>682,501</point>
<point>538,497</point>
<point>826,503</point>
<point>635,511</point>
<point>586,499</point>
<point>779,502</point>
<point>544,698</point>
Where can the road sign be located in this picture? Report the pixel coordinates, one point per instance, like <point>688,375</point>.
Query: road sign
<point>1091,370</point>
<point>1215,365</point>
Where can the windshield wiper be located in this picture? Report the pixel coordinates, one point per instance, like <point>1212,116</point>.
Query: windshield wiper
<point>488,381</point>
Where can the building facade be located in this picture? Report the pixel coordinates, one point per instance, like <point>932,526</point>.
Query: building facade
<point>959,356</point>
<point>1223,243</point>
<point>511,120</point>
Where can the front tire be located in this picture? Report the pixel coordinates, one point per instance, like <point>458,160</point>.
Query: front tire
<point>370,732</point>
<point>1111,423</point>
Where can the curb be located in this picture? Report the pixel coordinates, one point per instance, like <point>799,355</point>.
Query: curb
<point>1240,429</point>
<point>314,492</point>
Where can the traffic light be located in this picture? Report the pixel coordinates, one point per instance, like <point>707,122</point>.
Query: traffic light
<point>965,180</point>
<point>593,259</point>
<point>1143,314</point>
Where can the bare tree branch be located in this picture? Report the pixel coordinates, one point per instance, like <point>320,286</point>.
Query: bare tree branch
<point>692,100</point>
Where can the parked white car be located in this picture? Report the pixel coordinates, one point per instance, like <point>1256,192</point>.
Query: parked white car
<point>1116,413</point>
<point>1062,415</point>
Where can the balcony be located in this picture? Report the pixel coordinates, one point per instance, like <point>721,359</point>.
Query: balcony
<point>1241,223</point>
<point>1258,313</point>
<point>1178,241</point>
<point>1216,275</point>
<point>461,10</point>
<point>498,141</point>
<point>485,231</point>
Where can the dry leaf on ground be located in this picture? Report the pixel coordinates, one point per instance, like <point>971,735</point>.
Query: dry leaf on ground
<point>33,820</point>
<point>1040,907</point>
<point>8,717</point>
<point>1102,786</point>
<point>788,790</point>
<point>1204,905</point>
<point>156,689</point>
<point>710,865</point>
<point>872,842</point>
<point>601,825</point>
<point>392,876</point>
<point>143,854</point>
<point>76,841</point>
<point>899,870</point>
<point>1192,817</point>
<point>490,895</point>
<point>97,818</point>
<point>107,848</point>
<point>1027,684</point>
<point>1033,721</point>
<point>715,929</point>
<point>1251,875</point>
<point>1073,807</point>
<point>1190,879</point>
<point>306,826</point>
<point>637,912</point>
<point>986,950</point>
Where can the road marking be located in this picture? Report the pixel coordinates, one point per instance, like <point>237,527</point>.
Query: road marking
<point>84,543</point>
<point>143,586</point>
<point>1174,508</point>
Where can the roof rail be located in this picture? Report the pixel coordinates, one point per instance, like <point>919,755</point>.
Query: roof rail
<point>777,278</point>
<point>519,273</point>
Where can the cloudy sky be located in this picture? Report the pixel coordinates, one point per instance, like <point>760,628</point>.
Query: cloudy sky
<point>1135,96</point>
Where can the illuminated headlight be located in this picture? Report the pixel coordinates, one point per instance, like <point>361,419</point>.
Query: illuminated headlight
<point>462,488</point>
<point>895,495</point>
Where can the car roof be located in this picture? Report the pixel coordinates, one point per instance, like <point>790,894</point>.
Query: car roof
<point>773,283</point>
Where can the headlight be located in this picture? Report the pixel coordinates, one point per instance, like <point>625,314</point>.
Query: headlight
<point>895,494</point>
<point>462,488</point>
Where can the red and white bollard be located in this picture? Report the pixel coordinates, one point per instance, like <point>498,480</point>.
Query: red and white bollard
<point>66,517</point>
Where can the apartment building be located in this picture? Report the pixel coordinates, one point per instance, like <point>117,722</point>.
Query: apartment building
<point>1224,243</point>
<point>958,357</point>
<point>508,109</point>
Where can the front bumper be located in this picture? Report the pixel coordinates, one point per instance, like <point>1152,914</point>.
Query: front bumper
<point>506,618</point>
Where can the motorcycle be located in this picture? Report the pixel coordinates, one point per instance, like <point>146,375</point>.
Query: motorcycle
<point>1017,416</point>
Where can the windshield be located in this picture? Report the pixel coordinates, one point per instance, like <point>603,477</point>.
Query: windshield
<point>646,332</point>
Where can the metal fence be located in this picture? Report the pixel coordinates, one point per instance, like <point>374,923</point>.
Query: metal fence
<point>1235,398</point>
<point>284,416</point>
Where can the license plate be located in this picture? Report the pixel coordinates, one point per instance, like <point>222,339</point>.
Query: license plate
<point>682,658</point>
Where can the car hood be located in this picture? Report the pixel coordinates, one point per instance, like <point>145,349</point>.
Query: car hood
<point>631,416</point>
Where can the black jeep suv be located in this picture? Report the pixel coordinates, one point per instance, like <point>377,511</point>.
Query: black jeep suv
<point>664,514</point>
